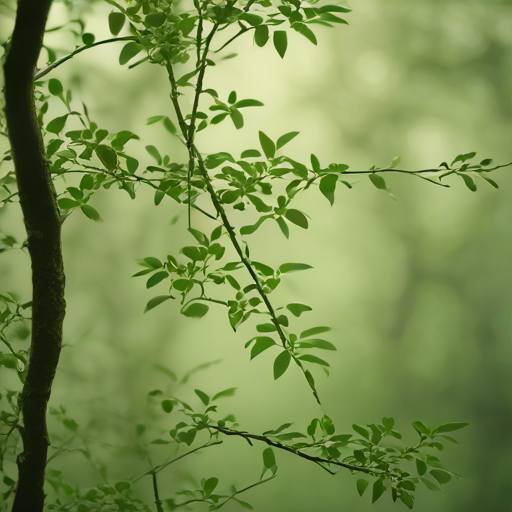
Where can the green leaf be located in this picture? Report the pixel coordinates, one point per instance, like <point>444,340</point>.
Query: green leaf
<point>284,139</point>
<point>269,459</point>
<point>225,393</point>
<point>56,125</point>
<point>91,213</point>
<point>210,485</point>
<point>281,363</point>
<point>65,203</point>
<point>491,182</point>
<point>232,97</point>
<point>196,310</point>
<point>115,22</point>
<point>280,42</point>
<point>123,486</point>
<point>203,396</point>
<point>431,485</point>
<point>305,31</point>
<point>153,262</point>
<point>283,226</point>
<point>378,181</point>
<point>277,430</point>
<point>441,476</point>
<point>315,330</point>
<point>421,427</point>
<point>316,343</point>
<point>88,38</point>
<point>167,406</point>
<point>252,19</point>
<point>464,157</point>
<point>328,425</point>
<point>313,359</point>
<point>267,145</point>
<point>129,51</point>
<point>262,344</point>
<point>449,427</point>
<point>247,230</point>
<point>55,87</point>
<point>156,301</point>
<point>362,486</point>
<point>248,103</point>
<point>328,186</point>
<point>155,19</point>
<point>237,118</point>
<point>107,156</point>
<point>263,269</point>
<point>156,278</point>
<point>421,467</point>
<point>87,182</point>
<point>153,151</point>
<point>378,490</point>
<point>407,499</point>
<point>361,431</point>
<point>297,217</point>
<point>288,268</point>
<point>261,35</point>
<point>334,8</point>
<point>297,309</point>
<point>181,284</point>
<point>469,181</point>
<point>259,204</point>
<point>250,153</point>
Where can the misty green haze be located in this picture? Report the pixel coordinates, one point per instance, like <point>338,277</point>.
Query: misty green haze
<point>417,287</point>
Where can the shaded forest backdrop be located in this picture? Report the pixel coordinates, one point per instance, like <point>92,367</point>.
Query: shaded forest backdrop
<point>418,290</point>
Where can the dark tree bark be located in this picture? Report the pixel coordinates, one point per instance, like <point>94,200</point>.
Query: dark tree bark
<point>41,217</point>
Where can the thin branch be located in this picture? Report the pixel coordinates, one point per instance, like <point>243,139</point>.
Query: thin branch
<point>159,507</point>
<point>60,61</point>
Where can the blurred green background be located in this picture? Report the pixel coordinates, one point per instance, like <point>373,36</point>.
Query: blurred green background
<point>417,290</point>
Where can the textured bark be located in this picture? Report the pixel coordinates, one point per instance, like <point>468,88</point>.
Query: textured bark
<point>41,217</point>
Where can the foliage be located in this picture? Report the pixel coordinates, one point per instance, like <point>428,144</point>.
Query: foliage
<point>263,183</point>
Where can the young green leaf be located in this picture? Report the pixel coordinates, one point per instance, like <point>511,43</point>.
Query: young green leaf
<point>284,139</point>
<point>262,344</point>
<point>269,459</point>
<point>91,212</point>
<point>378,181</point>
<point>55,87</point>
<point>378,490</point>
<point>280,42</point>
<point>362,486</point>
<point>107,156</point>
<point>115,22</point>
<point>281,363</point>
<point>313,359</point>
<point>209,486</point>
<point>317,343</point>
<point>203,396</point>
<point>305,31</point>
<point>441,476</point>
<point>449,427</point>
<point>225,393</point>
<point>469,181</point>
<point>153,151</point>
<point>261,35</point>
<point>196,310</point>
<point>297,309</point>
<point>297,217</point>
<point>56,125</point>
<point>283,227</point>
<point>156,301</point>
<point>167,406</point>
<point>421,467</point>
<point>288,268</point>
<point>328,186</point>
<point>267,144</point>
<point>155,20</point>
<point>156,278</point>
<point>129,51</point>
<point>421,427</point>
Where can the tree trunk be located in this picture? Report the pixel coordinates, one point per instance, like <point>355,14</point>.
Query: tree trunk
<point>41,217</point>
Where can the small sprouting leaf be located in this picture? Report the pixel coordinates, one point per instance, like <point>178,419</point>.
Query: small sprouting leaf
<point>203,396</point>
<point>288,268</point>
<point>361,431</point>
<point>378,490</point>
<point>55,87</point>
<point>107,156</point>
<point>65,203</point>
<point>167,406</point>
<point>362,486</point>
<point>280,42</point>
<point>129,51</point>
<point>313,359</point>
<point>284,139</point>
<point>56,125</point>
<point>155,19</point>
<point>267,145</point>
<point>115,22</point>
<point>261,35</point>
<point>156,278</point>
<point>378,181</point>
<point>297,309</point>
<point>281,363</point>
<point>88,38</point>
<point>421,427</point>
<point>449,427</point>
<point>305,31</point>
<point>394,162</point>
<point>210,485</point>
<point>269,459</point>
<point>153,151</point>
<point>469,181</point>
<point>91,213</point>
<point>225,393</point>
<point>328,186</point>
<point>156,301</point>
<point>421,467</point>
<point>297,217</point>
<point>441,476</point>
<point>262,344</point>
<point>196,310</point>
<point>464,157</point>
